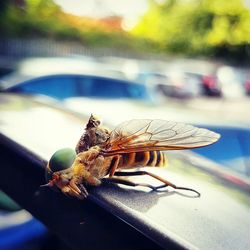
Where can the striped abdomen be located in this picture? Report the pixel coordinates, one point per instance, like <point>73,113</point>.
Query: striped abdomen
<point>142,159</point>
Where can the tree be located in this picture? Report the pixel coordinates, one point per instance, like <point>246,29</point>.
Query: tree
<point>208,27</point>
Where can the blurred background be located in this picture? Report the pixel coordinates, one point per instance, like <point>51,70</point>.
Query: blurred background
<point>191,51</point>
<point>179,60</point>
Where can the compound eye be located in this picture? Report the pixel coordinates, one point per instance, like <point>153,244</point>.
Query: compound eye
<point>60,160</point>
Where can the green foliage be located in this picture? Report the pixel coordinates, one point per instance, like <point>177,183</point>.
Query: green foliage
<point>210,27</point>
<point>192,27</point>
<point>43,18</point>
<point>36,18</point>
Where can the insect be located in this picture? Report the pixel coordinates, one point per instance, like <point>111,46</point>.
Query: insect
<point>100,153</point>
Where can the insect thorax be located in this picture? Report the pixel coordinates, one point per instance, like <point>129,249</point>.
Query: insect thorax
<point>93,136</point>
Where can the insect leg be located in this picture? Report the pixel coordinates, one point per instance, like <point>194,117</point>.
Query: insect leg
<point>166,182</point>
<point>127,182</point>
<point>113,168</point>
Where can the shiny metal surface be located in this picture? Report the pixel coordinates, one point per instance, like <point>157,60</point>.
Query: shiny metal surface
<point>219,219</point>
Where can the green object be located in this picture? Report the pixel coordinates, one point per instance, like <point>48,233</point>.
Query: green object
<point>6,203</point>
<point>62,159</point>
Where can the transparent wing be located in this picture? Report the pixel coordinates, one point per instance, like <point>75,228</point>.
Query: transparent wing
<point>144,135</point>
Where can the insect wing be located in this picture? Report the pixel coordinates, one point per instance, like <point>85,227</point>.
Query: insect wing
<point>145,135</point>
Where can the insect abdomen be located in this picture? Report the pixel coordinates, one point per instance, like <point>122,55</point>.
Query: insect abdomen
<point>142,159</point>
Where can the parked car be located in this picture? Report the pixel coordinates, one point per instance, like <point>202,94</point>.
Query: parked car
<point>230,79</point>
<point>247,86</point>
<point>54,69</point>
<point>215,78</point>
<point>31,131</point>
<point>204,72</point>
<point>245,80</point>
<point>61,86</point>
<point>182,77</point>
<point>172,83</point>
<point>209,83</point>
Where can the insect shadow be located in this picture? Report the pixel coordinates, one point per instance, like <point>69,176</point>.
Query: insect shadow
<point>140,200</point>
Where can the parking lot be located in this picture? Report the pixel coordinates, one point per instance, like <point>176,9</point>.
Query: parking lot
<point>230,111</point>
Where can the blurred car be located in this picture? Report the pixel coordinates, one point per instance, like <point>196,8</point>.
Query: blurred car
<point>63,77</point>
<point>204,72</point>
<point>245,80</point>
<point>164,79</point>
<point>247,86</point>
<point>182,77</point>
<point>150,220</point>
<point>209,84</point>
<point>217,79</point>
<point>172,83</point>
<point>61,86</point>
<point>230,79</point>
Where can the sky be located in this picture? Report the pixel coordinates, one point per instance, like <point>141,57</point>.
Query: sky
<point>129,9</point>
